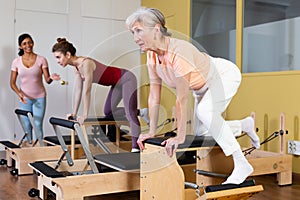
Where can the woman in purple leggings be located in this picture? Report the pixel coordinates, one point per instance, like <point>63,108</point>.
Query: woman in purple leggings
<point>87,71</point>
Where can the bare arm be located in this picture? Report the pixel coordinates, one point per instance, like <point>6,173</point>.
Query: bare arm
<point>77,93</point>
<point>49,78</point>
<point>153,104</point>
<point>87,70</point>
<point>182,92</point>
<point>14,87</point>
<point>46,73</point>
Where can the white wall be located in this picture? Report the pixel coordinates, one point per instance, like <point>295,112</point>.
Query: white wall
<point>95,27</point>
<point>7,49</point>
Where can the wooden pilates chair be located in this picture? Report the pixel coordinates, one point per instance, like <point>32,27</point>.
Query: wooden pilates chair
<point>163,178</point>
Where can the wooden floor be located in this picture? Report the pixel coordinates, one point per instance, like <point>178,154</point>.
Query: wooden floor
<point>15,188</point>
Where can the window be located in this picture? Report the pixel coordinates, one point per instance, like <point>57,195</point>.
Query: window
<point>213,26</point>
<point>270,41</point>
<point>269,35</point>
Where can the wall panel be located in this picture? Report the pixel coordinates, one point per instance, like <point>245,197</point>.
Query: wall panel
<point>7,53</point>
<point>55,6</point>
<point>113,9</point>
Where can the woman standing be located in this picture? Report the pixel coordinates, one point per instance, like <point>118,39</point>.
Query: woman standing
<point>123,85</point>
<point>214,81</point>
<point>31,67</point>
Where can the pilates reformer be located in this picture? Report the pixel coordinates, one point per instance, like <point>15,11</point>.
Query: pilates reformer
<point>20,153</point>
<point>266,162</point>
<point>93,175</point>
<point>263,162</point>
<point>158,169</point>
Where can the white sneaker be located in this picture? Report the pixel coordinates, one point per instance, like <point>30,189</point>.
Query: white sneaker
<point>144,115</point>
<point>135,150</point>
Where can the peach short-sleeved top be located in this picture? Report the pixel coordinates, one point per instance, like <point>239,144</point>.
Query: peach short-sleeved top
<point>180,58</point>
<point>31,81</point>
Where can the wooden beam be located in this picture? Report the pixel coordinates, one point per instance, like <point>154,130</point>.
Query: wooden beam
<point>239,32</point>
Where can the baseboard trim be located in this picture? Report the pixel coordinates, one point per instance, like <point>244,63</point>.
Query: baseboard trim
<point>296,176</point>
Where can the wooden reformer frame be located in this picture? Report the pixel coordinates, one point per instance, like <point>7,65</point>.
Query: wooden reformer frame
<point>85,177</point>
<point>23,153</point>
<point>158,169</point>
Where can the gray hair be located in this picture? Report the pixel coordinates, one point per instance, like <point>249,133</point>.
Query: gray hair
<point>149,17</point>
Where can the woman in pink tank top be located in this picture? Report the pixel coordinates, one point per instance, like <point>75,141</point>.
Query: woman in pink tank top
<point>30,68</point>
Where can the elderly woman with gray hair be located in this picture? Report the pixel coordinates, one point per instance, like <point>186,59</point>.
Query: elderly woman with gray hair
<point>213,81</point>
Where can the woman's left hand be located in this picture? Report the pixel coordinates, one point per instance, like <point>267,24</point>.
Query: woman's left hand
<point>171,145</point>
<point>55,76</point>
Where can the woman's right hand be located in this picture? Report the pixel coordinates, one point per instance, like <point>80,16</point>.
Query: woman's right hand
<point>22,98</point>
<point>142,138</point>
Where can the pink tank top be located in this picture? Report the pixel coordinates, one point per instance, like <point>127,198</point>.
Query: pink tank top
<point>31,80</point>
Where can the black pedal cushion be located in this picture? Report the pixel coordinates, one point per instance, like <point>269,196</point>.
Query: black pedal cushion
<point>9,144</point>
<point>190,141</point>
<point>214,188</point>
<point>125,161</point>
<point>46,170</point>
<point>67,139</point>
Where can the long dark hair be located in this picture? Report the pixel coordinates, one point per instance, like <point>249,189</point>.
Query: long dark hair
<point>20,40</point>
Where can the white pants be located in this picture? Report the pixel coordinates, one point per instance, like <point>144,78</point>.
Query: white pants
<point>212,100</point>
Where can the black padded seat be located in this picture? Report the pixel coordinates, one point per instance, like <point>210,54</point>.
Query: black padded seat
<point>120,161</point>
<point>67,139</point>
<point>103,118</point>
<point>9,144</point>
<point>190,141</point>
